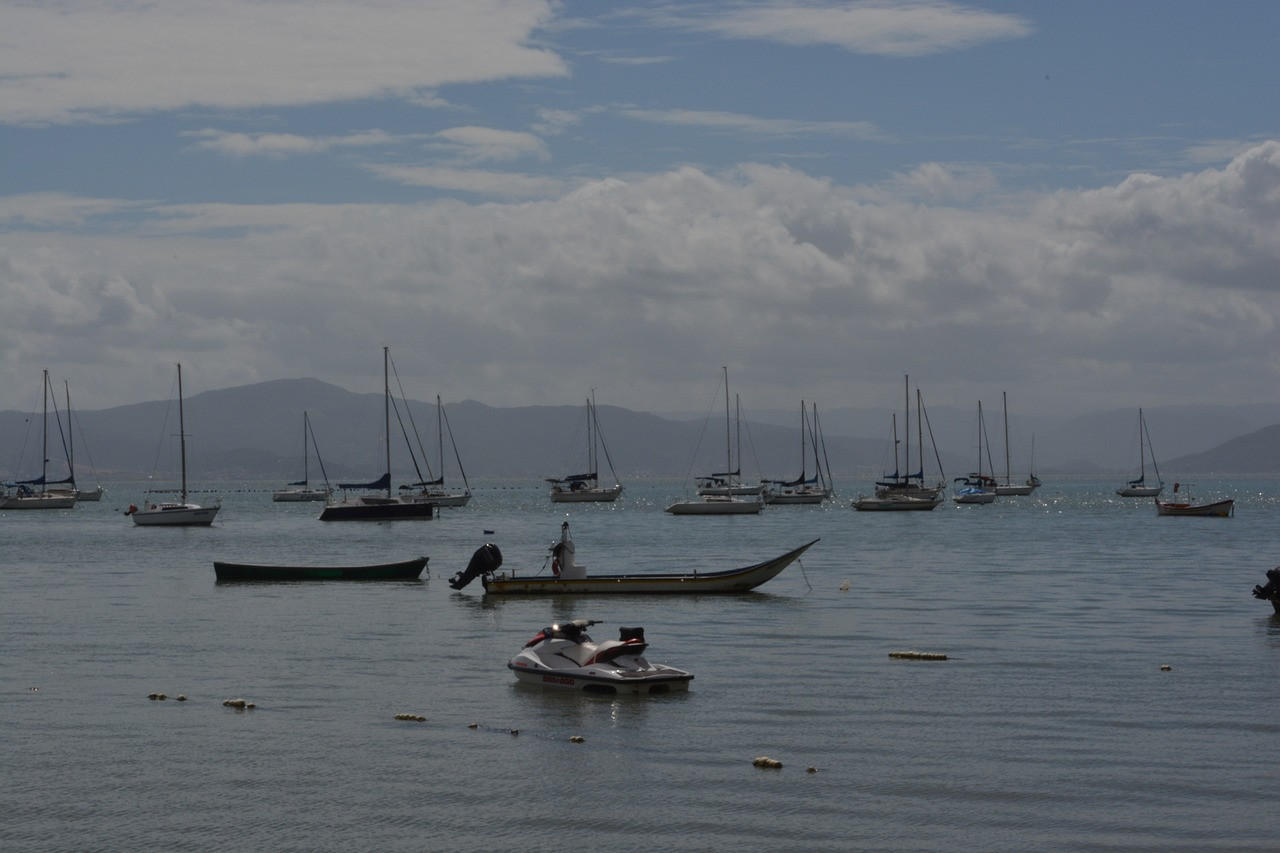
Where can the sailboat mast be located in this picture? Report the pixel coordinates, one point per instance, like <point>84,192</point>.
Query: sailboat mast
<point>1142,450</point>
<point>182,436</point>
<point>71,437</point>
<point>306,476</point>
<point>386,412</point>
<point>44,445</point>
<point>440,436</point>
<point>728,436</point>
<point>906,405</point>
<point>1004,397</point>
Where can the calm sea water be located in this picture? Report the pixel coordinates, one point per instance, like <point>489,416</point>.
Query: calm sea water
<point>1053,726</point>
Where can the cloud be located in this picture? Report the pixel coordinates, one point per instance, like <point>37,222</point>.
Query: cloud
<point>283,144</point>
<point>478,181</point>
<point>880,28</point>
<point>65,61</point>
<point>1155,286</point>
<point>487,144</point>
<point>737,123</point>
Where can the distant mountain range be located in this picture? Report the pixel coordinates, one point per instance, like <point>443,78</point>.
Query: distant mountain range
<point>254,432</point>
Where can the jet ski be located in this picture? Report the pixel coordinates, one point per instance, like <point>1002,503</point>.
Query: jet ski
<point>563,655</point>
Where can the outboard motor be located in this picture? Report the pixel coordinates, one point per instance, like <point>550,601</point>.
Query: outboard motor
<point>1270,592</point>
<point>485,560</point>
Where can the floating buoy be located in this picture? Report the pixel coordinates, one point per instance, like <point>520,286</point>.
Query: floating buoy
<point>844,587</point>
<point>153,696</point>
<point>416,718</point>
<point>236,703</point>
<point>577,739</point>
<point>767,762</point>
<point>918,655</point>
<point>811,770</point>
<point>473,725</point>
<point>34,689</point>
<point>515,731</point>
<point>1164,667</point>
<point>181,697</point>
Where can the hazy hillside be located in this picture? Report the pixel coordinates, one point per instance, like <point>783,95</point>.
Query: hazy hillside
<point>255,431</point>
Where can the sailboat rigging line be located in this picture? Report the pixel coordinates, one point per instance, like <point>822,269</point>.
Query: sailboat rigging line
<point>706,420</point>
<point>414,426</point>
<point>316,448</point>
<point>924,413</point>
<point>456,456</point>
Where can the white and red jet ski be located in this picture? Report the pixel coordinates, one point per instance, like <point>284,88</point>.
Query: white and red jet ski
<point>563,655</point>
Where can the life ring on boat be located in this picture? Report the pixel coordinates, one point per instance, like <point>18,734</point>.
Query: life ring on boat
<point>132,509</point>
<point>555,566</point>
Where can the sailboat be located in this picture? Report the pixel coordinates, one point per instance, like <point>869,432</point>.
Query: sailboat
<point>183,513</point>
<point>34,493</point>
<point>727,502</point>
<point>302,490</point>
<point>435,490</point>
<point>586,488</point>
<point>977,487</point>
<point>804,489</point>
<point>379,507</point>
<point>898,492</point>
<point>1138,488</point>
<point>1008,487</point>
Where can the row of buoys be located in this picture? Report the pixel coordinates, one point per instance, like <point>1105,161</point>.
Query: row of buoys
<point>161,697</point>
<point>238,704</point>
<point>416,718</point>
<point>918,655</point>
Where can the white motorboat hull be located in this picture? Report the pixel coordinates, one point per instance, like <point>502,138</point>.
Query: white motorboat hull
<point>975,498</point>
<point>175,515</point>
<point>1014,490</point>
<point>1140,491</point>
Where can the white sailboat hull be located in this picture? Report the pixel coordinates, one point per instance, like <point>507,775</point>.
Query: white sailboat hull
<point>712,505</point>
<point>44,500</point>
<point>599,494</point>
<point>175,515</point>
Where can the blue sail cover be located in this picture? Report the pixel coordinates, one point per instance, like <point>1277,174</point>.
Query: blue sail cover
<point>575,478</point>
<point>383,482</point>
<point>41,481</point>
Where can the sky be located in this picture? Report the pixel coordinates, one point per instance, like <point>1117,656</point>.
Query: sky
<point>1077,203</point>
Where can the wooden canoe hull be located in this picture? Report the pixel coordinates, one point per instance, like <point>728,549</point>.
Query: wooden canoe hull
<point>1217,509</point>
<point>401,571</point>
<point>698,583</point>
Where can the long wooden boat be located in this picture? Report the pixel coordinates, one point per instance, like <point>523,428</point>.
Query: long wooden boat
<point>1217,509</point>
<point>696,583</point>
<point>402,571</point>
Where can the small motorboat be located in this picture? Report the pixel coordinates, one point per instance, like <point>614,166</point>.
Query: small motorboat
<point>569,577</point>
<point>563,655</point>
<point>1271,591</point>
<point>1186,505</point>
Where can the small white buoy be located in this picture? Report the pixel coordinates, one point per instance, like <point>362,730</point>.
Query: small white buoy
<point>473,725</point>
<point>577,739</point>
<point>1164,667</point>
<point>767,762</point>
<point>844,587</point>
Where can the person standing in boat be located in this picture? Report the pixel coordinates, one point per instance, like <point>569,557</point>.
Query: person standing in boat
<point>563,564</point>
